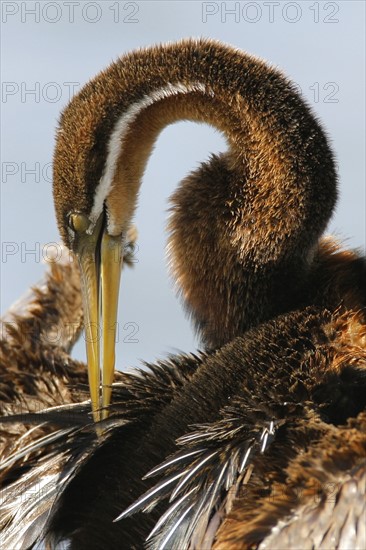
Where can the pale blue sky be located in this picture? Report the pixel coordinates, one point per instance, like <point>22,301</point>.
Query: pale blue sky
<point>48,45</point>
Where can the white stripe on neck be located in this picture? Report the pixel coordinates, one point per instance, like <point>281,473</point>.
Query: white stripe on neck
<point>119,132</point>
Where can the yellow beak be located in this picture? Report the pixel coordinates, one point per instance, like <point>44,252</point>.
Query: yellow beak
<point>100,258</point>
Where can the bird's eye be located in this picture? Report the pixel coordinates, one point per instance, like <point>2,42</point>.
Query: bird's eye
<point>78,222</point>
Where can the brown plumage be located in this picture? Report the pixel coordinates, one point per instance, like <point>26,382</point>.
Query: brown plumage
<point>311,494</point>
<point>315,498</point>
<point>276,418</point>
<point>226,449</point>
<point>37,333</point>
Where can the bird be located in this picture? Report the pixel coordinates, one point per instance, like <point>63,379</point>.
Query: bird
<point>231,207</point>
<point>280,310</point>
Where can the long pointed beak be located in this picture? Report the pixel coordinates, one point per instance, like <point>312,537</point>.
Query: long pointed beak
<point>100,259</point>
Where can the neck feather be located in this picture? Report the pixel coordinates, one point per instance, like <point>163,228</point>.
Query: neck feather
<point>245,225</point>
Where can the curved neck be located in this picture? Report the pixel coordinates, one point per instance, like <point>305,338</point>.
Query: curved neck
<point>244,226</point>
<point>276,144</point>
